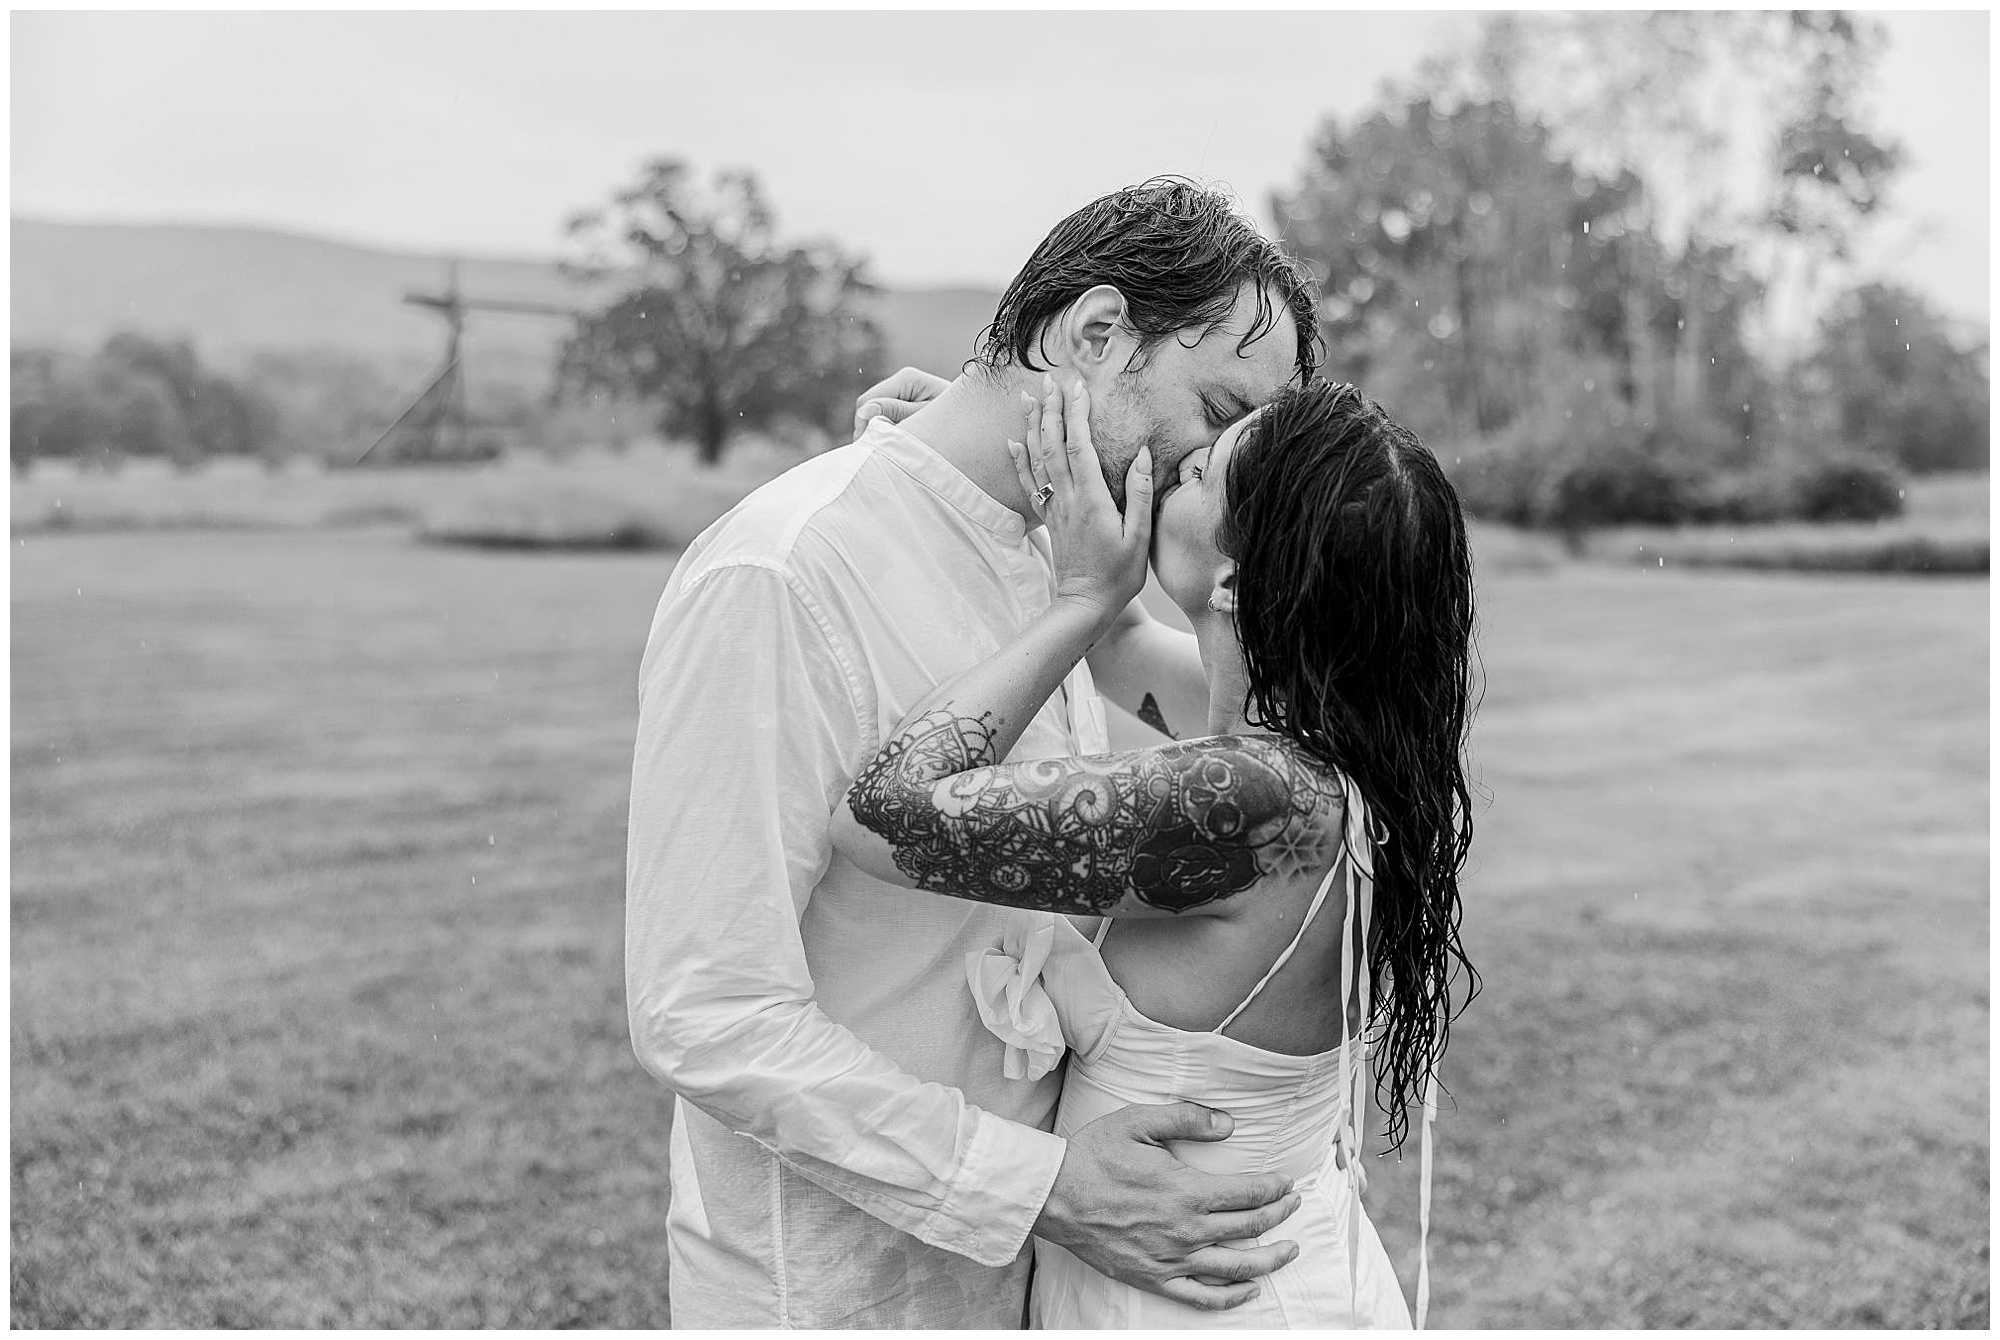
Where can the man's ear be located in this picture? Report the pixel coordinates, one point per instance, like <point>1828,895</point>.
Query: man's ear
<point>1094,330</point>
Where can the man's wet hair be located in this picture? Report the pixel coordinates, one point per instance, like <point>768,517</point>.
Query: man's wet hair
<point>1178,251</point>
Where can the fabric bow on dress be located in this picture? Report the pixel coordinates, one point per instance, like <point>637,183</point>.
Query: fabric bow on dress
<point>1014,1005</point>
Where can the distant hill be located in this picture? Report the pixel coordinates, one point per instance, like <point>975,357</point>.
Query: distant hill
<point>239,291</point>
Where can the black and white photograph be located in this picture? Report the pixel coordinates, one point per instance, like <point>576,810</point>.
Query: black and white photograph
<point>908,669</point>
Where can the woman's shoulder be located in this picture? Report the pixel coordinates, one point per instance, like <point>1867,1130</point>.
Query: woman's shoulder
<point>1262,796</point>
<point>1256,760</point>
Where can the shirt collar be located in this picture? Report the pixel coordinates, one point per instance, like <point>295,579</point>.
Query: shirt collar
<point>916,459</point>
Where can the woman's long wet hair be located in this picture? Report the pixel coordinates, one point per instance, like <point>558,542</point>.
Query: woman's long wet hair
<point>1354,608</point>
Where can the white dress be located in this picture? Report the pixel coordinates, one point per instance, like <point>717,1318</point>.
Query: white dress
<point>1048,988</point>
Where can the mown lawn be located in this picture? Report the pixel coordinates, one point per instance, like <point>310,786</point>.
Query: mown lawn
<point>317,999</point>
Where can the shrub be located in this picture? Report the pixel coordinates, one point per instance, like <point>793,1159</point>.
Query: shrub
<point>1619,486</point>
<point>1510,476</point>
<point>1740,497</point>
<point>1499,485</point>
<point>1578,459</point>
<point>1846,489</point>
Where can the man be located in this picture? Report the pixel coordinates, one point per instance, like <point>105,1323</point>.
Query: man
<point>846,1150</point>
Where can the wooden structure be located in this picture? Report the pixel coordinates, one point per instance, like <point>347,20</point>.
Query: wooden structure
<point>434,429</point>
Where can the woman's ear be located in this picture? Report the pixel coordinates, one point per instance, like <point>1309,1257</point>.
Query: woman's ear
<point>1222,596</point>
<point>1094,330</point>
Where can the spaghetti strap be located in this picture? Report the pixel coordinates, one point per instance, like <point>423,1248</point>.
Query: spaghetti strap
<point>1103,929</point>
<point>1356,842</point>
<point>1349,854</point>
<point>1360,842</point>
<point>1290,949</point>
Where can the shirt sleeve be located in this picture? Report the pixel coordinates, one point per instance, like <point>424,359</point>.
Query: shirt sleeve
<point>748,732</point>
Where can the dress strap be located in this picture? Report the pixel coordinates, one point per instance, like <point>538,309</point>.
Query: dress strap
<point>1357,842</point>
<point>1424,1202</point>
<point>1290,949</point>
<point>1355,853</point>
<point>1103,929</point>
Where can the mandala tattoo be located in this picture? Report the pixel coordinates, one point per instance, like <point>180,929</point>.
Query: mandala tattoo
<point>1149,712</point>
<point>1176,826</point>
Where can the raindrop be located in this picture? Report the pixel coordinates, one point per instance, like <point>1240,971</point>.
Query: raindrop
<point>1586,227</point>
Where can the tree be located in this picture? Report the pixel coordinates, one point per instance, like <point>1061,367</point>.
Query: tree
<point>1742,127</point>
<point>136,397</point>
<point>720,325</point>
<point>1458,257</point>
<point>176,408</point>
<point>1892,381</point>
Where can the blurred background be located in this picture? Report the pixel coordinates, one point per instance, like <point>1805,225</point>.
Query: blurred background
<point>370,370</point>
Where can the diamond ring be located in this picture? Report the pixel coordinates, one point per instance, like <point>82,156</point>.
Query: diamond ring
<point>1043,494</point>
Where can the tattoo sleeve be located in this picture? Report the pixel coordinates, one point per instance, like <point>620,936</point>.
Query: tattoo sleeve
<point>1149,712</point>
<point>1175,827</point>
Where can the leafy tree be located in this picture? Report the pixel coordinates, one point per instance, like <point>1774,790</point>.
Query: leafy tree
<point>85,410</point>
<point>1742,126</point>
<point>1890,379</point>
<point>1454,250</point>
<point>32,386</point>
<point>720,324</point>
<point>173,407</point>
<point>136,397</point>
<point>1566,253</point>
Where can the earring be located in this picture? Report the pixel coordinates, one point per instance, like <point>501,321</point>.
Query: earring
<point>1213,606</point>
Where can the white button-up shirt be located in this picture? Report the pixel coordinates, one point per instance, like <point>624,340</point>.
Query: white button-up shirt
<point>846,1150</point>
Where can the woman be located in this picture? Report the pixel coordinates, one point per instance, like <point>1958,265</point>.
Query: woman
<point>1320,555</point>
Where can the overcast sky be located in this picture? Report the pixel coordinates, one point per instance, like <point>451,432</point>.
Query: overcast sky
<point>941,144</point>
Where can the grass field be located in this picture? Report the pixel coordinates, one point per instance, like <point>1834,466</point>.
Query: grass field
<point>317,1002</point>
